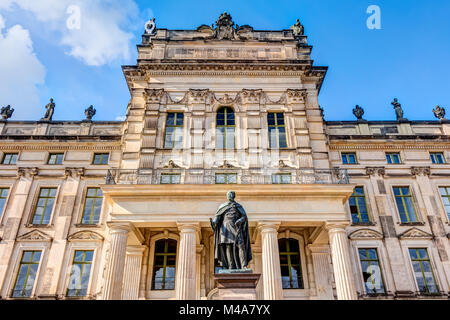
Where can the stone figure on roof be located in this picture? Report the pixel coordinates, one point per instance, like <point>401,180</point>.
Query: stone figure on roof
<point>90,112</point>
<point>358,112</point>
<point>50,109</point>
<point>398,110</point>
<point>439,113</point>
<point>298,29</point>
<point>224,27</point>
<point>6,112</point>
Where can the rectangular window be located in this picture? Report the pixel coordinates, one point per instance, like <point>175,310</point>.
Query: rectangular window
<point>26,275</point>
<point>437,157</point>
<point>92,206</point>
<point>277,130</point>
<point>358,206</point>
<point>405,204</point>
<point>174,131</point>
<point>226,178</point>
<point>371,270</point>
<point>393,158</point>
<point>281,178</point>
<point>170,179</point>
<point>423,271</point>
<point>44,206</point>
<point>349,158</point>
<point>55,158</point>
<point>101,158</point>
<point>3,197</point>
<point>445,195</point>
<point>80,273</point>
<point>10,158</point>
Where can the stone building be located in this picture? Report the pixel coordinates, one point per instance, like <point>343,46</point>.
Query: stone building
<point>120,210</point>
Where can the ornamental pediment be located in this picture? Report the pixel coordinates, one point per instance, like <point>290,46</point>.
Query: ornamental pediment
<point>35,235</point>
<point>365,234</point>
<point>415,233</point>
<point>85,236</point>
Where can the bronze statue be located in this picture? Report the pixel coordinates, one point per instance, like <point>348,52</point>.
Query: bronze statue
<point>231,236</point>
<point>50,107</point>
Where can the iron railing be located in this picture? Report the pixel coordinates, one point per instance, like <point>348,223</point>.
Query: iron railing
<point>242,176</point>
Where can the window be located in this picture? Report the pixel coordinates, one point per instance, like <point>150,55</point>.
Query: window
<point>170,179</point>
<point>393,158</point>
<point>445,195</point>
<point>164,264</point>
<point>405,204</point>
<point>101,158</point>
<point>92,206</point>
<point>55,158</point>
<point>174,131</point>
<point>277,130</point>
<point>80,273</point>
<point>226,178</point>
<point>281,178</point>
<point>44,206</point>
<point>10,158</point>
<point>291,275</point>
<point>3,197</point>
<point>358,206</point>
<point>423,271</point>
<point>371,270</point>
<point>26,275</point>
<point>225,128</point>
<point>349,158</point>
<point>437,157</point>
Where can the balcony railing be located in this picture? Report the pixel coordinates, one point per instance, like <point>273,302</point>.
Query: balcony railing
<point>240,176</point>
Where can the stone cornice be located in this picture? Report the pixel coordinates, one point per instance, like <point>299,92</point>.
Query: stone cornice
<point>53,147</point>
<point>391,145</point>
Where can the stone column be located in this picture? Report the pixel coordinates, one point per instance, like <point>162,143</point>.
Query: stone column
<point>340,254</point>
<point>321,267</point>
<point>132,276</point>
<point>186,274</point>
<point>116,264</point>
<point>271,269</point>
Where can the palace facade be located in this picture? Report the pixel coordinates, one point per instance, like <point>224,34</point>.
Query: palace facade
<point>120,210</point>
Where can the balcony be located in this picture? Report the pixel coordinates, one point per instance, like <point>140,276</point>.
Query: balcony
<point>242,176</point>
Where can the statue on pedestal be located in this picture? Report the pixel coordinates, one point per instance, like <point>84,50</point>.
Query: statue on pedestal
<point>231,236</point>
<point>50,107</point>
<point>398,110</point>
<point>298,29</point>
<point>358,112</point>
<point>89,113</point>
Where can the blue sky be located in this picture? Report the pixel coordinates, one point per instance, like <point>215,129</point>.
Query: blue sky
<point>42,58</point>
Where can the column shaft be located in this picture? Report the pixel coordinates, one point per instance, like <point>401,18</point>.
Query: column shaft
<point>340,254</point>
<point>186,274</point>
<point>272,286</point>
<point>132,276</point>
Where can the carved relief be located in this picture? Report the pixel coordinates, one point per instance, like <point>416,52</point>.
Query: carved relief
<point>74,172</point>
<point>251,95</point>
<point>363,234</point>
<point>296,95</point>
<point>375,171</point>
<point>421,171</point>
<point>85,236</point>
<point>415,233</point>
<point>34,235</point>
<point>27,172</point>
<point>172,165</point>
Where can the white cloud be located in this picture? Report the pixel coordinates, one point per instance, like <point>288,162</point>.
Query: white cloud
<point>102,37</point>
<point>21,71</point>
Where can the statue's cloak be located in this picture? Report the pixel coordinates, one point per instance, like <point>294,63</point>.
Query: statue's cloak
<point>243,232</point>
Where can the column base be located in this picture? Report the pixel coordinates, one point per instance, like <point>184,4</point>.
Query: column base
<point>236,286</point>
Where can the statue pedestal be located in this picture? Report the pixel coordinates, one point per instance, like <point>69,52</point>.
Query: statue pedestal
<point>236,286</point>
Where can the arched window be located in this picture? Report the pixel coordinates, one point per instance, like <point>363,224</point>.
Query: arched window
<point>164,263</point>
<point>225,128</point>
<point>291,272</point>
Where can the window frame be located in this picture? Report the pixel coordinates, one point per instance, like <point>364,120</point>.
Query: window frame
<point>413,201</point>
<point>3,212</point>
<point>225,126</point>
<point>431,258</point>
<point>439,187</point>
<point>57,154</point>
<point>370,222</point>
<point>433,155</point>
<point>171,177</point>
<point>276,126</point>
<point>72,262</point>
<point>389,155</point>
<point>226,174</point>
<point>280,174</point>
<point>83,204</point>
<point>381,270</point>
<point>347,157</point>
<point>175,126</point>
<point>160,294</point>
<point>100,153</point>
<point>9,153</point>
<point>35,202</point>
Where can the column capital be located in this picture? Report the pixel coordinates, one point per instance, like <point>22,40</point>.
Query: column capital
<point>120,226</point>
<point>268,226</point>
<point>188,226</point>
<point>136,250</point>
<point>336,226</point>
<point>318,248</point>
